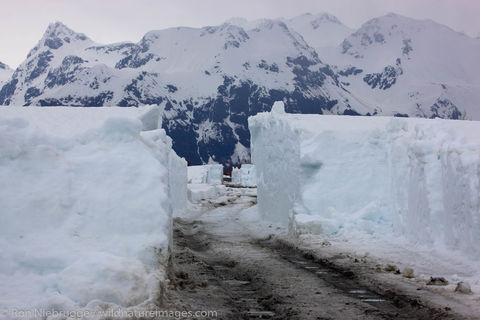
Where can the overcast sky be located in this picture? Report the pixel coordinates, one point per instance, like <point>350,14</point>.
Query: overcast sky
<point>23,22</point>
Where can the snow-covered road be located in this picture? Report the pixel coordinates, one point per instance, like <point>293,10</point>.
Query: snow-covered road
<point>221,265</point>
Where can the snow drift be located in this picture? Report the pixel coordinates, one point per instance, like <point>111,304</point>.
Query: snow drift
<point>86,205</point>
<point>418,178</point>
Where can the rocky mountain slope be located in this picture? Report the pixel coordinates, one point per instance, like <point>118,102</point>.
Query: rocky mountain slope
<point>5,73</point>
<point>209,80</point>
<point>418,68</point>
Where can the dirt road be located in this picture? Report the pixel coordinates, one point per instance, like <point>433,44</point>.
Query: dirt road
<point>219,265</point>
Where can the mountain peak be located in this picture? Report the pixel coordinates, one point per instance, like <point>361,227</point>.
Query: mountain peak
<point>326,17</point>
<point>318,18</point>
<point>57,34</point>
<point>388,19</point>
<point>395,19</point>
<point>57,29</point>
<point>393,15</point>
<point>319,30</point>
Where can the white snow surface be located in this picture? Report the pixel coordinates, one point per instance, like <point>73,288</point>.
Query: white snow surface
<point>87,201</point>
<point>417,179</point>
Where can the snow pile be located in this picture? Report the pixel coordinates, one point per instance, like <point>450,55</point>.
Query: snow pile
<point>204,182</point>
<point>244,176</point>
<point>202,191</point>
<point>86,207</point>
<point>416,177</point>
<point>209,174</point>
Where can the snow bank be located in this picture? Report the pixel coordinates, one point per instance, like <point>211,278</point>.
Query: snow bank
<point>209,174</point>
<point>244,176</point>
<point>86,205</point>
<point>204,182</point>
<point>202,191</point>
<point>418,178</point>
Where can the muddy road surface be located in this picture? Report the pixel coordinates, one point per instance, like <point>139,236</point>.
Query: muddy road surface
<point>219,265</point>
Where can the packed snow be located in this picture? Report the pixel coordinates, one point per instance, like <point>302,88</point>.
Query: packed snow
<point>87,201</point>
<point>244,176</point>
<point>204,182</point>
<point>337,175</point>
<point>198,192</point>
<point>206,174</point>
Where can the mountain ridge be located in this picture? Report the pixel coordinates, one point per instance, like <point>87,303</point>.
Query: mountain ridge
<point>210,79</point>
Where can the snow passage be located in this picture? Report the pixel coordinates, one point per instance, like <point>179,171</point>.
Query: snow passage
<point>418,178</point>
<point>86,204</point>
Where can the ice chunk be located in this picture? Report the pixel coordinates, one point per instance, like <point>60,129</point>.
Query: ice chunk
<point>236,176</point>
<point>215,174</point>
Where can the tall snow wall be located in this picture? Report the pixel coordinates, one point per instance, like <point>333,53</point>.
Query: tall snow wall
<point>417,178</point>
<point>87,201</point>
<point>244,176</point>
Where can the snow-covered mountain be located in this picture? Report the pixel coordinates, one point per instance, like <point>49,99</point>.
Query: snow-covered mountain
<point>209,80</point>
<point>320,30</point>
<point>5,73</point>
<point>414,67</point>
